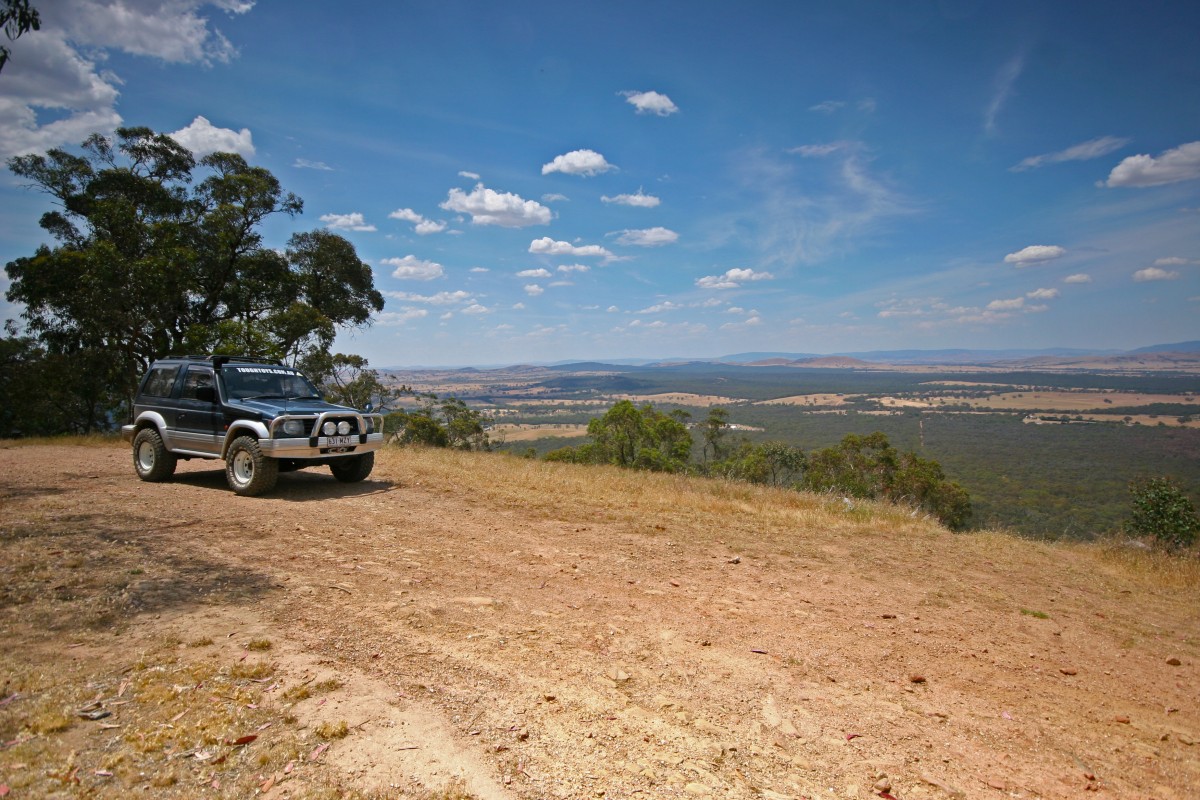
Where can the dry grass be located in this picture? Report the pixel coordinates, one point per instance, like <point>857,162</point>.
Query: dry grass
<point>68,439</point>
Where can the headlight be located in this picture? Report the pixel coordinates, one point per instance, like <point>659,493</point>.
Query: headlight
<point>343,427</point>
<point>329,428</point>
<point>293,427</point>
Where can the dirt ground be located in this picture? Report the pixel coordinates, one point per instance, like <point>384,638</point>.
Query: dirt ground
<point>472,625</point>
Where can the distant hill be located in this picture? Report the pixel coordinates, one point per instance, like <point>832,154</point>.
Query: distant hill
<point>1179,347</point>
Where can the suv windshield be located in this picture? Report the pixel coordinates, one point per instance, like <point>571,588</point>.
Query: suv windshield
<point>252,382</point>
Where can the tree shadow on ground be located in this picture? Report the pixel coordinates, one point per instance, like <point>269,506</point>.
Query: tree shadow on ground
<point>82,571</point>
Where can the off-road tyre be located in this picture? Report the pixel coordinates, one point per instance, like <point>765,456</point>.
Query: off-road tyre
<point>248,471</point>
<point>151,459</point>
<point>352,469</point>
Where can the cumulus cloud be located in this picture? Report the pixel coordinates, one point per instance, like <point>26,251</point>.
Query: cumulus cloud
<point>412,268</point>
<point>1035,254</point>
<point>476,308</point>
<point>732,279</point>
<point>658,308</point>
<point>649,237</point>
<point>202,138</point>
<point>57,72</point>
<point>395,318</point>
<point>1154,274</point>
<point>488,207</point>
<point>639,200</point>
<point>573,268</point>
<point>578,162</point>
<point>534,273</point>
<point>1085,151</point>
<point>423,226</point>
<point>1042,294</point>
<point>304,163</point>
<point>439,299</point>
<point>651,103</point>
<point>548,246</point>
<point>1172,166</point>
<point>346,222</point>
<point>1078,277</point>
<point>1172,261</point>
<point>533,290</point>
<point>748,322</point>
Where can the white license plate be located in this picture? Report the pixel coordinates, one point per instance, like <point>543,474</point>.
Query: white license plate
<point>339,441</point>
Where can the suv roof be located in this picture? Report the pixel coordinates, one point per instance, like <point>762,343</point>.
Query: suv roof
<point>217,361</point>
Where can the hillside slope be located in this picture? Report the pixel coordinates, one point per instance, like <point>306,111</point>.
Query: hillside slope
<point>533,630</point>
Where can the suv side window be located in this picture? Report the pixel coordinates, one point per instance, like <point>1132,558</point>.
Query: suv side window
<point>161,381</point>
<point>196,378</point>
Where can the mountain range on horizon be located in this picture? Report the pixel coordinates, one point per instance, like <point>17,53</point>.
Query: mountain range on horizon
<point>898,357</point>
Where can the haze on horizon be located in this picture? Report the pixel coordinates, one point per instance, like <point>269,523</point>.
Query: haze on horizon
<point>552,181</point>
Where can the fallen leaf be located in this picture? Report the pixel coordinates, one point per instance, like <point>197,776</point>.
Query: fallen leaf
<point>4,790</point>
<point>288,769</point>
<point>1006,715</point>
<point>315,754</point>
<point>247,739</point>
<point>852,736</point>
<point>103,773</point>
<point>178,716</point>
<point>757,650</point>
<point>267,784</point>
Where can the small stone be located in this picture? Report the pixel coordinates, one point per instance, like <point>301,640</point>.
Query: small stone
<point>1068,671</point>
<point>883,785</point>
<point>735,560</point>
<point>698,789</point>
<point>997,784</point>
<point>1124,720</point>
<point>1174,662</point>
<point>916,678</point>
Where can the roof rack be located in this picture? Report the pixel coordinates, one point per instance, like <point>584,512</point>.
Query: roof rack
<point>217,361</point>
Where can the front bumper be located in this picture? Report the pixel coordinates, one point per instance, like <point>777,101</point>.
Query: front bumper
<point>321,446</point>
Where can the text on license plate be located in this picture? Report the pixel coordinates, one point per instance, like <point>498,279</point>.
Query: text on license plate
<point>339,441</point>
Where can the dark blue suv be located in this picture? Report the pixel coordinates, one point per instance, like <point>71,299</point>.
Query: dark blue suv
<point>259,416</point>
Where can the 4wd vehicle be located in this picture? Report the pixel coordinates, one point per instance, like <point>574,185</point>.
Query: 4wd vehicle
<point>260,416</point>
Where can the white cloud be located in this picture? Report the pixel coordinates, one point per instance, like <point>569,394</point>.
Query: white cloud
<point>479,269</point>
<point>1173,166</point>
<point>1035,254</point>
<point>578,162</point>
<point>548,246</point>
<point>428,226</point>
<point>821,150</point>
<point>554,197</point>
<point>650,103</point>
<point>412,268</point>
<point>476,309</point>
<point>394,318</point>
<point>735,310</point>
<point>1006,78</point>
<point>828,106</point>
<point>1042,294</point>
<point>346,222</point>
<point>202,138</point>
<point>534,273</point>
<point>658,308</point>
<point>304,163</point>
<point>1085,151</point>
<point>518,306</point>
<point>612,309</point>
<point>471,176</point>
<point>648,237</point>
<point>1079,277</point>
<point>1154,274</point>
<point>639,200</point>
<point>533,290</point>
<point>732,279</point>
<point>573,268</point>
<point>488,207</point>
<point>749,322</point>
<point>56,69</point>
<point>1172,261</point>
<point>562,283</point>
<point>406,214</point>
<point>439,299</point>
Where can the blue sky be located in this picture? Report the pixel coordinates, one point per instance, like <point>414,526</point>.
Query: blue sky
<point>540,181</point>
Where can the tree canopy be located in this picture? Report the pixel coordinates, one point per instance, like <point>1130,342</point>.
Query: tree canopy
<point>159,253</point>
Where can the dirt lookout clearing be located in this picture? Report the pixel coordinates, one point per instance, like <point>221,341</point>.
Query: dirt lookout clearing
<point>464,625</point>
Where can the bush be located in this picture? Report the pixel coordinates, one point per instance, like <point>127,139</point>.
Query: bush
<point>1163,511</point>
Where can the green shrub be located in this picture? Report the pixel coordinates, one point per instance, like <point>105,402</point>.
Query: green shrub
<point>1162,510</point>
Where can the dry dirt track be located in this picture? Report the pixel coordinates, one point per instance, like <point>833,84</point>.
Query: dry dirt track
<point>548,631</point>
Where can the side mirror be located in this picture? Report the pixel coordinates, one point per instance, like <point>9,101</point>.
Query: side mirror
<point>369,407</point>
<point>206,394</point>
